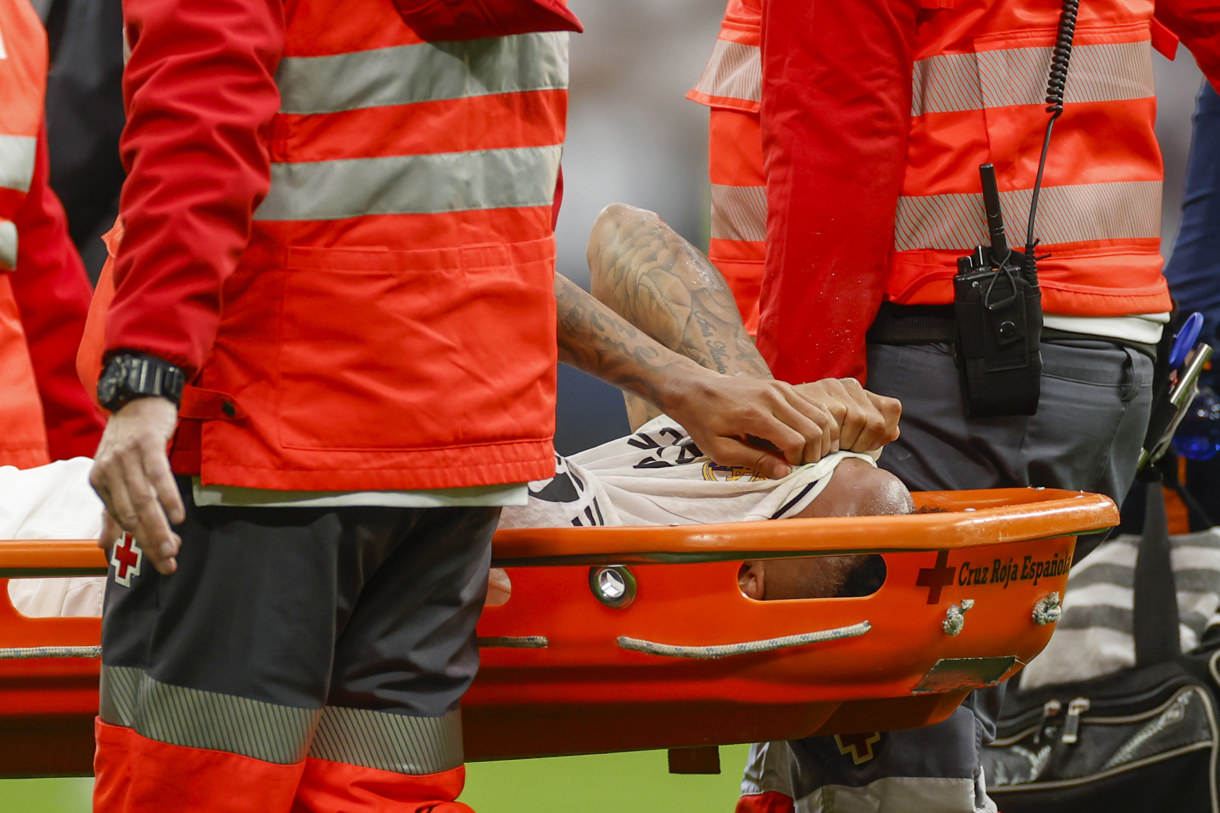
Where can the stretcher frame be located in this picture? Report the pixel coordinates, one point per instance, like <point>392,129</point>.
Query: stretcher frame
<point>672,655</point>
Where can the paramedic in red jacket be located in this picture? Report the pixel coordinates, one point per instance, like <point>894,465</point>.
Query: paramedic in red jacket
<point>333,300</point>
<point>44,293</point>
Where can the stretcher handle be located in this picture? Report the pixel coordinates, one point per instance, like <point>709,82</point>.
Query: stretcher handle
<point>701,652</point>
<point>969,519</point>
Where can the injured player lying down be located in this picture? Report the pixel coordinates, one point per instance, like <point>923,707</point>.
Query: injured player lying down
<point>662,305</point>
<point>658,476</point>
<point>653,477</point>
<point>659,284</point>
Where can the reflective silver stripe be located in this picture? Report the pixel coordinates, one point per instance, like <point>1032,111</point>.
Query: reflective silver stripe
<point>1017,76</point>
<point>8,245</point>
<point>210,720</point>
<point>389,742</point>
<point>739,212</point>
<point>412,184</point>
<point>119,687</point>
<point>1066,214</point>
<point>946,83</point>
<point>421,73</point>
<point>17,161</point>
<point>734,71</point>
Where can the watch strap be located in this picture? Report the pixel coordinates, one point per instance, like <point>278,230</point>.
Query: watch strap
<point>128,376</point>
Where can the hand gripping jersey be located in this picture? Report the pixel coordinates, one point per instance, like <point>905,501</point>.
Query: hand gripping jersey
<point>658,476</point>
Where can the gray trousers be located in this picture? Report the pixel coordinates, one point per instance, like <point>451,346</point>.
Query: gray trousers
<point>1086,435</point>
<point>1092,415</point>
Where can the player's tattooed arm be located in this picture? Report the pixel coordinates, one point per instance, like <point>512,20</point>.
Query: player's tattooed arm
<point>646,272</point>
<point>735,420</point>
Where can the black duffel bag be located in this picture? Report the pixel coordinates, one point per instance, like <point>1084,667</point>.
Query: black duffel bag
<point>1144,739</point>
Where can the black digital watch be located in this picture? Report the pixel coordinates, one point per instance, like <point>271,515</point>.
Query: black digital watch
<point>128,376</point>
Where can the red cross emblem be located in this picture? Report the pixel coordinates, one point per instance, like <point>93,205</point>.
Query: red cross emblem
<point>936,578</point>
<point>126,557</point>
<point>859,745</point>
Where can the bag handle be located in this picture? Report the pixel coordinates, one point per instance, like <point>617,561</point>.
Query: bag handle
<point>1154,619</point>
<point>1168,466</point>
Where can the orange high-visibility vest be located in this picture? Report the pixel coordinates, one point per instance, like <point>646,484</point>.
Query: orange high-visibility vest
<point>23,74</point>
<point>731,85</point>
<point>978,96</point>
<point>391,323</point>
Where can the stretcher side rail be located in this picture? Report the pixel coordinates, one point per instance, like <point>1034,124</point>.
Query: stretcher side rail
<point>557,677</point>
<point>985,520</point>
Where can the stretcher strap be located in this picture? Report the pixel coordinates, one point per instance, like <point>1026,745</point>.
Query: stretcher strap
<point>744,648</point>
<point>26,653</point>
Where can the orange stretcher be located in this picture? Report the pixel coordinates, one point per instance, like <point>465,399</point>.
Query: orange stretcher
<point>639,638</point>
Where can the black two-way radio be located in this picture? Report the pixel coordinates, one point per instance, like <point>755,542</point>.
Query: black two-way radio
<point>996,301</point>
<point>998,311</point>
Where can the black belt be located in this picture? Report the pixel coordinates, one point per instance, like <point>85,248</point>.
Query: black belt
<point>913,324</point>
<point>929,324</point>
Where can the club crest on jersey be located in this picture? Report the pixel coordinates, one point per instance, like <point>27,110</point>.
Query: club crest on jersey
<point>126,558</point>
<point>714,471</point>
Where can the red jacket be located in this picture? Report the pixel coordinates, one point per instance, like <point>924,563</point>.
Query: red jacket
<point>377,226</point>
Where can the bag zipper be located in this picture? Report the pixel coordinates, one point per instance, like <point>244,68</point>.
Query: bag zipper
<point>1021,724</point>
<point>1071,726</point>
<point>1050,709</point>
<point>1035,727</point>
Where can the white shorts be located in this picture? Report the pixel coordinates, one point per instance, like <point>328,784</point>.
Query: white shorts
<point>659,477</point>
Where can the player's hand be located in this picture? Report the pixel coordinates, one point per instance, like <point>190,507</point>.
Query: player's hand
<point>131,474</point>
<point>867,421</point>
<point>761,424</point>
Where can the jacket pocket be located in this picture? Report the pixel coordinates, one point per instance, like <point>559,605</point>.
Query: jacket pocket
<point>396,350</point>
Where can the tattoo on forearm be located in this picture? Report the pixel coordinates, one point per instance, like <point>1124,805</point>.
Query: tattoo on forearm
<point>595,340</point>
<point>720,355</point>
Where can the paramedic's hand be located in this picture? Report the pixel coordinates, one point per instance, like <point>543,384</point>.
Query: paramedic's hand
<point>132,476</point>
<point>867,421</point>
<point>761,424</point>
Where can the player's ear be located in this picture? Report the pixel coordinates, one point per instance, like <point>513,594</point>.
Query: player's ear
<point>751,580</point>
<point>499,588</point>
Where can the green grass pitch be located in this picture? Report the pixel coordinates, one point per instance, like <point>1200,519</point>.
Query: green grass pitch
<point>609,783</point>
